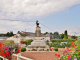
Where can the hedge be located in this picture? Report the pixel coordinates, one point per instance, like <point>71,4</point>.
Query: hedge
<point>63,40</point>
<point>59,45</point>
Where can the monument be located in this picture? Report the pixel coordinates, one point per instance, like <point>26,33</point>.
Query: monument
<point>38,31</point>
<point>38,42</point>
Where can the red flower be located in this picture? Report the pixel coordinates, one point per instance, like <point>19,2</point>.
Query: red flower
<point>58,55</point>
<point>34,49</point>
<point>74,46</point>
<point>68,57</point>
<point>51,49</point>
<point>79,59</point>
<point>72,43</point>
<point>67,47</point>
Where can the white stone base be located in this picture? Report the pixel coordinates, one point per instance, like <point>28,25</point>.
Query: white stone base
<point>38,44</point>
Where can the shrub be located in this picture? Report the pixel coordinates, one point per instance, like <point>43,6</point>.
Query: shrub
<point>23,49</point>
<point>28,41</point>
<point>47,43</point>
<point>9,42</point>
<point>77,42</point>
<point>1,59</point>
<point>56,49</point>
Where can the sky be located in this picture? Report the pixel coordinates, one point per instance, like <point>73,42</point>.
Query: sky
<point>53,16</point>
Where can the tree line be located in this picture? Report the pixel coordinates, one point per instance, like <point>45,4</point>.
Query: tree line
<point>8,34</point>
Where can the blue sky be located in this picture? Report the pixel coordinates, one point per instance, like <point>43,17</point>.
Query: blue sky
<point>58,15</point>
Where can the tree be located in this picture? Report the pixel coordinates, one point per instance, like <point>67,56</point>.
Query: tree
<point>7,33</point>
<point>56,35</point>
<point>11,34</point>
<point>65,34</point>
<point>18,32</point>
<point>62,36</point>
<point>45,33</point>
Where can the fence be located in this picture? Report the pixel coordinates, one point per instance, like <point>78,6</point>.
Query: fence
<point>19,57</point>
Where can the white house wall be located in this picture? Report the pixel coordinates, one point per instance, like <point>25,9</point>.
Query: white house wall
<point>14,39</point>
<point>43,38</point>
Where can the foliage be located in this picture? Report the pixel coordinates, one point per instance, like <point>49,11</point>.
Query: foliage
<point>65,34</point>
<point>23,49</point>
<point>56,35</point>
<point>60,40</point>
<point>72,53</point>
<point>56,49</point>
<point>59,45</point>
<point>1,59</point>
<point>28,41</point>
<point>47,43</point>
<point>9,42</point>
<point>77,42</point>
<point>62,36</point>
<point>45,33</point>
<point>7,49</point>
<point>18,32</point>
<point>8,34</point>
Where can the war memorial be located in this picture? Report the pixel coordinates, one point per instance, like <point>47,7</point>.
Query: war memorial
<point>38,42</point>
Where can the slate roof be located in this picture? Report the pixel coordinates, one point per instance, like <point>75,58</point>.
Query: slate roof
<point>31,34</point>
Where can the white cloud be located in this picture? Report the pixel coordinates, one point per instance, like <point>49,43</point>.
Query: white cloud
<point>23,9</point>
<point>6,26</point>
<point>33,8</point>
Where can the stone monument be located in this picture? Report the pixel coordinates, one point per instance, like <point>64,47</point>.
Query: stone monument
<point>38,42</point>
<point>38,31</point>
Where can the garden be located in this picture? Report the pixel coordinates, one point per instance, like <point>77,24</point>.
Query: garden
<point>70,53</point>
<point>8,48</point>
<point>60,43</point>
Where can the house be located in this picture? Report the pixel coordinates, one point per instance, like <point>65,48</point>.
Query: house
<point>27,35</point>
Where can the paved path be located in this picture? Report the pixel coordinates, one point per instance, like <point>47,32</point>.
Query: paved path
<point>41,55</point>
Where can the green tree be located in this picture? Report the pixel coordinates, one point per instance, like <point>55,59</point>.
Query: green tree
<point>65,34</point>
<point>18,32</point>
<point>11,34</point>
<point>62,36</point>
<point>45,33</point>
<point>7,33</point>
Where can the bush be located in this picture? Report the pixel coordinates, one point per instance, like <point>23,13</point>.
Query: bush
<point>47,43</point>
<point>56,49</point>
<point>77,42</point>
<point>1,59</point>
<point>23,49</point>
<point>60,40</point>
<point>28,41</point>
<point>59,45</point>
<point>9,42</point>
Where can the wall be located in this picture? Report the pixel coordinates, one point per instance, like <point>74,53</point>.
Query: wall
<point>43,38</point>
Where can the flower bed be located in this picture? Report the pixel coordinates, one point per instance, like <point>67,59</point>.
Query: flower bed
<point>70,53</point>
<point>8,48</point>
<point>40,49</point>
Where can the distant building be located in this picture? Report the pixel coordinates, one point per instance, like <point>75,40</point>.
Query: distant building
<point>27,35</point>
<point>72,37</point>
